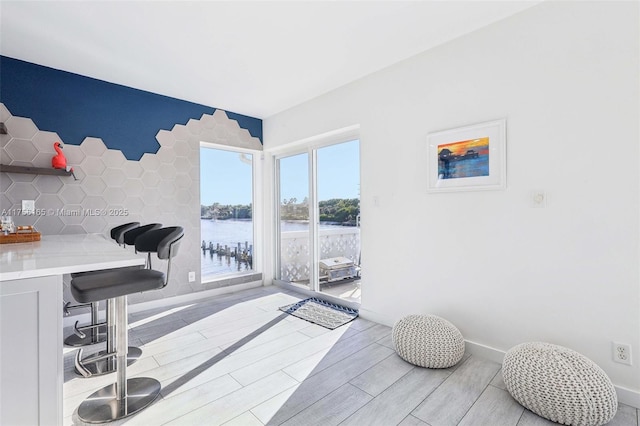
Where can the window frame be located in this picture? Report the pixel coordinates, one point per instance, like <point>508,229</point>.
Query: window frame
<point>257,213</point>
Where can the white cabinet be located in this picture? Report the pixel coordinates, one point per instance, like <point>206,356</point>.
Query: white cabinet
<point>31,351</point>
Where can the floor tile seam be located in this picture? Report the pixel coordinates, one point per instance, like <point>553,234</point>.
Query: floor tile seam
<point>222,306</point>
<point>478,397</point>
<point>263,357</point>
<point>411,415</point>
<point>219,347</point>
<point>423,400</point>
<point>257,321</point>
<point>298,383</point>
<point>172,395</point>
<point>180,359</point>
<point>285,390</point>
<point>521,417</point>
<point>231,320</point>
<point>305,406</point>
<point>333,391</point>
<point>367,328</point>
<point>200,341</point>
<point>382,360</point>
<point>160,323</point>
<point>242,414</point>
<point>354,354</point>
<point>216,377</point>
<point>259,359</point>
<point>313,373</point>
<point>238,352</point>
<point>451,375</point>
<point>385,389</point>
<point>172,377</point>
<point>300,360</point>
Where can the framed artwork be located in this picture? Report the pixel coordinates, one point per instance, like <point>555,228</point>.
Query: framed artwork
<point>469,158</point>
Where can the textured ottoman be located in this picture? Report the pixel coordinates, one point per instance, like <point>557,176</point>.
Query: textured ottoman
<point>559,384</point>
<point>428,341</point>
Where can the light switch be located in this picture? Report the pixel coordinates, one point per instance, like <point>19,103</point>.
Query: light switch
<point>538,199</point>
<point>28,206</point>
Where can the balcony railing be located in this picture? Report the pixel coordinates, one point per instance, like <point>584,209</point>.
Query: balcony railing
<point>334,242</point>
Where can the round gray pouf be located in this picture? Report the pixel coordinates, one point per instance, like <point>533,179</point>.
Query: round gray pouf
<point>559,384</point>
<point>428,341</point>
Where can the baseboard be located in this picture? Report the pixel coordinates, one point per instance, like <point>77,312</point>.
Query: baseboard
<point>484,351</point>
<point>628,396</point>
<point>174,300</point>
<point>373,316</point>
<point>625,396</point>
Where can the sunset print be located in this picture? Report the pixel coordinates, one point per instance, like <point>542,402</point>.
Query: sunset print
<point>463,159</point>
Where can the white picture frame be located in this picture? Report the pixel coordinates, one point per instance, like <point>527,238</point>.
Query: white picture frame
<point>469,158</point>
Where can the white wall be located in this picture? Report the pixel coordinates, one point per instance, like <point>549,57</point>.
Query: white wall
<point>565,76</point>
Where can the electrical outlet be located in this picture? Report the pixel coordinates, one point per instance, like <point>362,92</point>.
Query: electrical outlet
<point>622,353</point>
<point>192,276</point>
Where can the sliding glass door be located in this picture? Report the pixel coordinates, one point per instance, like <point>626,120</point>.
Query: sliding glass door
<point>293,220</point>
<point>338,207</point>
<point>318,219</point>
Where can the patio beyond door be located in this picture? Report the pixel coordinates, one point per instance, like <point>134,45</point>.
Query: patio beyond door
<point>319,219</point>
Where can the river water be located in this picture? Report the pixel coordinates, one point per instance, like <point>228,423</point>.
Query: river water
<point>231,232</point>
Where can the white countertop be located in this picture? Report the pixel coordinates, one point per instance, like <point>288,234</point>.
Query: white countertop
<point>63,254</point>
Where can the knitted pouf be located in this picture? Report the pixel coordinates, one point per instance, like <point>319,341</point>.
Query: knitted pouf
<point>559,384</point>
<point>428,341</point>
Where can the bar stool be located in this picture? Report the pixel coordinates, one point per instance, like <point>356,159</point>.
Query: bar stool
<point>131,236</point>
<point>98,329</point>
<point>126,396</point>
<point>103,362</point>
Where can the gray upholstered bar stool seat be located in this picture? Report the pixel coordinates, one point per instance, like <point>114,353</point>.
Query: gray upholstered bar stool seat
<point>104,362</point>
<point>97,331</point>
<point>126,396</point>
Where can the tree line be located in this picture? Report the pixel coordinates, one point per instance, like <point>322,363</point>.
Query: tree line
<point>336,210</point>
<point>226,211</point>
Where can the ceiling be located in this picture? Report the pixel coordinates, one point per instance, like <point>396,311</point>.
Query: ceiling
<point>250,57</point>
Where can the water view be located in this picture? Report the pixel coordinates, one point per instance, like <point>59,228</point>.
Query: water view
<point>231,233</point>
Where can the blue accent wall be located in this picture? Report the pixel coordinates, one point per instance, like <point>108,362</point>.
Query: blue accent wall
<point>76,107</point>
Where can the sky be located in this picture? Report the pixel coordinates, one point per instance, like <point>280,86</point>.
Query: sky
<point>338,175</point>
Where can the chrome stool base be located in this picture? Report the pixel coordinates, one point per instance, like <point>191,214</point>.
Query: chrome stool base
<point>108,365</point>
<point>75,341</point>
<point>103,405</point>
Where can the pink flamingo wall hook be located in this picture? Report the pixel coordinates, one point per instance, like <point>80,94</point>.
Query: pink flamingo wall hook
<point>59,161</point>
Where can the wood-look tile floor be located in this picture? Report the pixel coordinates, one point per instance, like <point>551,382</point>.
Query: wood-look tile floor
<point>238,360</point>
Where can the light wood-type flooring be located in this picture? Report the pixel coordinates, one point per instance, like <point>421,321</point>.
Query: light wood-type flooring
<point>237,360</point>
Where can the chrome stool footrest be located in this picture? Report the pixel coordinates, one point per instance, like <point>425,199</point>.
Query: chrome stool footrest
<point>103,362</point>
<point>75,340</point>
<point>98,330</point>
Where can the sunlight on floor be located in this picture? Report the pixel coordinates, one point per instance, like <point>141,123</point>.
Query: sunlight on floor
<point>209,357</point>
<point>350,291</point>
<point>157,316</point>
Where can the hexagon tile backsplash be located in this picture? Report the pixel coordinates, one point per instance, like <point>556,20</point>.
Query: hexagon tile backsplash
<point>111,190</point>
